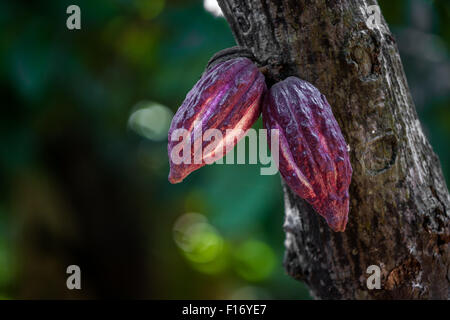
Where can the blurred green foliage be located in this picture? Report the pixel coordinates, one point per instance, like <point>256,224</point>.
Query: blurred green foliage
<point>83,171</point>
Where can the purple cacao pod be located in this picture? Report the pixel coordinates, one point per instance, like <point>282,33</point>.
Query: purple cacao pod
<point>228,99</point>
<point>313,159</point>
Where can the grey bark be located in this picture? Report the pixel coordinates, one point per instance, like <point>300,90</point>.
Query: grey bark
<point>399,207</point>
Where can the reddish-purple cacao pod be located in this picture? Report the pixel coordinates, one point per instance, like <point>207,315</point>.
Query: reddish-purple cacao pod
<point>227,98</point>
<point>313,159</point>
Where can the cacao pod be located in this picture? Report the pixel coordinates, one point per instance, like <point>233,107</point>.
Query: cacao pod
<point>227,98</point>
<point>313,160</point>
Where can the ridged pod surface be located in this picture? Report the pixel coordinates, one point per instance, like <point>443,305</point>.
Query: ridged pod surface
<point>227,98</point>
<point>313,160</point>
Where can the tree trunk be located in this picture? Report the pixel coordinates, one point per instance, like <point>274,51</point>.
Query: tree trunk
<point>399,203</point>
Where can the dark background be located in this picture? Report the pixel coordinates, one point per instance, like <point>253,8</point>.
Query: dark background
<point>83,153</point>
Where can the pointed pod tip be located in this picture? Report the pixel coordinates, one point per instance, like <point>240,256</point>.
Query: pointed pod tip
<point>337,223</point>
<point>174,178</point>
<point>338,228</point>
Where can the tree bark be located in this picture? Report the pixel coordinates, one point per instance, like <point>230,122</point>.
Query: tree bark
<point>399,202</point>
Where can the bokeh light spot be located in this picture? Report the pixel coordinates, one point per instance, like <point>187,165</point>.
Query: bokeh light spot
<point>205,244</point>
<point>254,260</point>
<point>200,243</point>
<point>216,265</point>
<point>151,120</point>
<point>199,240</point>
<point>181,227</point>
